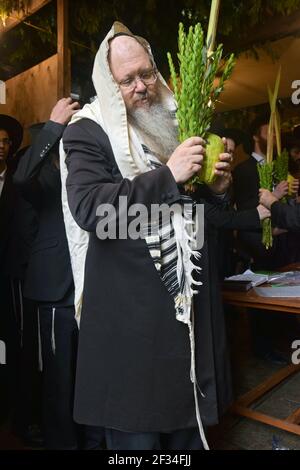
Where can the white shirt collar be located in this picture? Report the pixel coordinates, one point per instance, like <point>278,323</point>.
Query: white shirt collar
<point>2,175</point>
<point>258,158</point>
<point>2,180</point>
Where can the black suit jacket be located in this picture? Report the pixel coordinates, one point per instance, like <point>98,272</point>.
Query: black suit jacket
<point>286,216</point>
<point>7,201</point>
<point>23,228</point>
<point>49,275</point>
<point>226,219</point>
<point>246,184</point>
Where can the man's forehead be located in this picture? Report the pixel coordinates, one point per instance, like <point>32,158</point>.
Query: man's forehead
<point>4,131</point>
<point>122,47</point>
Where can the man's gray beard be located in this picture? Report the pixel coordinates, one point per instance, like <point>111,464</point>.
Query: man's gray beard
<point>157,127</point>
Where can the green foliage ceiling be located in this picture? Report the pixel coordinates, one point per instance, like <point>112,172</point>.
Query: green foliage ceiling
<point>157,20</point>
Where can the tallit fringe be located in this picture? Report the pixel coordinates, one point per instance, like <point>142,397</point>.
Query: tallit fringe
<point>195,386</point>
<point>53,345</point>
<point>40,365</point>
<point>21,314</point>
<point>185,302</point>
<point>190,266</point>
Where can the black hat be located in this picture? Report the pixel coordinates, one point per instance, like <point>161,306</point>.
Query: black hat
<point>236,135</point>
<point>14,130</point>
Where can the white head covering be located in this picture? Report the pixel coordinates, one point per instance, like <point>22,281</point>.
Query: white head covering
<point>109,109</point>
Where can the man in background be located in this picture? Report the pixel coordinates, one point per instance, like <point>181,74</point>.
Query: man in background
<point>11,135</point>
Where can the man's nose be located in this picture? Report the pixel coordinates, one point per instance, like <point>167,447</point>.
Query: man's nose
<point>140,87</point>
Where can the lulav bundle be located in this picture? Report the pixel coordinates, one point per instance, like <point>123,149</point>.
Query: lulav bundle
<point>187,87</point>
<point>281,164</point>
<point>195,92</point>
<point>265,172</point>
<point>281,167</point>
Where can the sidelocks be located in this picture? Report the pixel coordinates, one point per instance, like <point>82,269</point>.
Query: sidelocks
<point>271,172</point>
<point>200,65</point>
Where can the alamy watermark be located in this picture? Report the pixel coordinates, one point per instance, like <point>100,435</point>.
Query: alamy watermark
<point>136,221</point>
<point>296,94</point>
<point>296,353</point>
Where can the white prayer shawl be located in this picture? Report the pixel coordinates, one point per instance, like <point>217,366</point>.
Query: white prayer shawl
<point>109,111</point>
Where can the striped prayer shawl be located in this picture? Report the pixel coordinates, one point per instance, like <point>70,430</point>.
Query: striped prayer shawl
<point>163,246</point>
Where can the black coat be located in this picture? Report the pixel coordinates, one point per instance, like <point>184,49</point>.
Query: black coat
<point>49,275</point>
<point>23,229</point>
<point>221,216</point>
<point>7,202</point>
<point>246,184</point>
<point>286,216</point>
<point>246,196</point>
<point>17,226</point>
<point>23,233</point>
<point>133,371</point>
<point>226,219</point>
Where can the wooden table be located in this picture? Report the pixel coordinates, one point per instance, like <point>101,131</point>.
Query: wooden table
<point>242,406</point>
<point>251,299</point>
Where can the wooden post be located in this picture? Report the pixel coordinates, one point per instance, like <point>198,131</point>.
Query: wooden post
<point>63,52</point>
<point>2,92</point>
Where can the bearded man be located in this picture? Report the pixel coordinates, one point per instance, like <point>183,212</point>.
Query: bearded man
<point>143,336</point>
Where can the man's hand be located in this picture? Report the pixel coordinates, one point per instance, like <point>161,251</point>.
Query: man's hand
<point>278,231</point>
<point>223,172</point>
<point>281,190</point>
<point>266,198</point>
<point>64,110</point>
<point>263,212</point>
<point>187,159</point>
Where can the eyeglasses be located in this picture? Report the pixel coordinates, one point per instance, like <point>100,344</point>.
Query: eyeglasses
<point>5,141</point>
<point>148,77</point>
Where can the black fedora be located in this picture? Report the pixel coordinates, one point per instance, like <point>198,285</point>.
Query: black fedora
<point>237,135</point>
<point>14,130</point>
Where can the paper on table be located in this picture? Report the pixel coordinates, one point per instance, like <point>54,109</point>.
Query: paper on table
<point>255,279</point>
<point>289,278</point>
<point>285,291</point>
